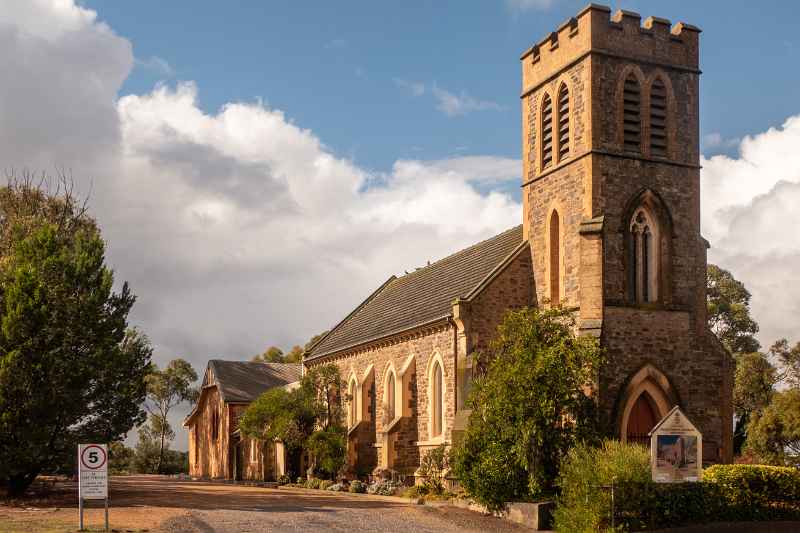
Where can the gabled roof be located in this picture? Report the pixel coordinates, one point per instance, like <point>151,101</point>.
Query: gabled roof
<point>244,381</point>
<point>423,296</point>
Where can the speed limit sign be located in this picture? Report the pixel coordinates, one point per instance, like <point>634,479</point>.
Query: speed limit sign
<point>93,468</point>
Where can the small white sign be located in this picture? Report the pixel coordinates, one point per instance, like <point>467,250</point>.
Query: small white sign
<point>93,471</point>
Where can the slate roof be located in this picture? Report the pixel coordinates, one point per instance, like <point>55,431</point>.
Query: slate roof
<point>244,381</point>
<point>421,297</point>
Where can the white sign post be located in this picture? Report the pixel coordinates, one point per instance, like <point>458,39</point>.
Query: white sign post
<point>92,476</point>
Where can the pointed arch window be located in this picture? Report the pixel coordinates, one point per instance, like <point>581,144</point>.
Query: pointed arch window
<point>631,115</point>
<point>658,119</point>
<point>390,393</point>
<point>437,397</point>
<point>547,131</point>
<point>644,258</point>
<point>555,258</point>
<point>352,412</point>
<point>563,122</point>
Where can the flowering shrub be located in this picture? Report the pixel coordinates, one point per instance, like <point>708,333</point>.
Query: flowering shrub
<point>337,487</point>
<point>383,488</point>
<point>358,487</point>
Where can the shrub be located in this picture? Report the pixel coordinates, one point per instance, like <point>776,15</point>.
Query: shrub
<point>384,488</point>
<point>325,484</point>
<point>313,483</point>
<point>284,479</point>
<point>583,505</point>
<point>358,487</point>
<point>433,468</point>
<point>757,492</point>
<point>538,373</point>
<point>337,487</point>
<point>300,480</point>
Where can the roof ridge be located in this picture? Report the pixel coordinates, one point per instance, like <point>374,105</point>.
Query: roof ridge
<point>458,252</point>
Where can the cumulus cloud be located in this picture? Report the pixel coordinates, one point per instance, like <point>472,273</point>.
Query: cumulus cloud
<point>237,228</point>
<point>751,219</point>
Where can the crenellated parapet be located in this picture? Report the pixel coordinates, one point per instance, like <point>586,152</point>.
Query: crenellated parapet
<point>595,30</point>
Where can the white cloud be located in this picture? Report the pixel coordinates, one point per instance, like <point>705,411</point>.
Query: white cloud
<point>525,5</point>
<point>750,216</point>
<point>454,105</point>
<point>236,229</point>
<point>156,64</point>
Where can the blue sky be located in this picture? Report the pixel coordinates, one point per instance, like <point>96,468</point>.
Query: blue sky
<point>258,168</point>
<point>338,68</point>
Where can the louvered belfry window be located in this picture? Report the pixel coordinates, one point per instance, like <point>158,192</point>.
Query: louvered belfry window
<point>547,131</point>
<point>563,122</point>
<point>658,119</point>
<point>631,117</point>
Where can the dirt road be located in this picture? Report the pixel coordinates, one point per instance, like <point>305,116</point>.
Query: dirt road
<point>155,503</point>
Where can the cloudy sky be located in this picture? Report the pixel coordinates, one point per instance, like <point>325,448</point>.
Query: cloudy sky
<point>258,168</point>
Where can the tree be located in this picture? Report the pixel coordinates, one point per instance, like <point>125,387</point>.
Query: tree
<point>788,360</point>
<point>531,405</point>
<point>295,355</point>
<point>774,434</point>
<point>309,417</point>
<point>120,458</point>
<point>752,391</point>
<point>70,369</point>
<point>273,354</point>
<point>729,317</point>
<point>166,389</point>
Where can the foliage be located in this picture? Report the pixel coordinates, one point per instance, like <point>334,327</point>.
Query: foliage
<point>338,487</point>
<point>531,405</point>
<point>384,487</point>
<point>774,434</point>
<point>273,354</point>
<point>288,416</point>
<point>433,468</point>
<point>284,479</point>
<point>752,391</point>
<point>728,493</point>
<point>120,458</point>
<point>357,487</point>
<point>165,389</point>
<point>313,483</point>
<point>788,360</point>
<point>295,355</point>
<point>583,505</point>
<point>729,317</point>
<point>309,417</point>
<point>70,370</point>
<point>328,448</point>
<point>325,484</point>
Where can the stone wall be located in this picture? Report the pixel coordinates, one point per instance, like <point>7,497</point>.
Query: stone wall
<point>208,456</point>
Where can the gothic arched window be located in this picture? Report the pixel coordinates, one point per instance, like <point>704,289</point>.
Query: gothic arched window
<point>555,258</point>
<point>353,413</point>
<point>389,394</point>
<point>644,257</point>
<point>563,122</point>
<point>658,119</point>
<point>437,400</point>
<point>631,115</point>
<point>547,131</point>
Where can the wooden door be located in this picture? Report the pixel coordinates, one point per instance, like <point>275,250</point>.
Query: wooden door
<point>641,420</point>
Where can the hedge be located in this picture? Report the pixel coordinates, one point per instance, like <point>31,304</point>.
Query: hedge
<point>728,493</point>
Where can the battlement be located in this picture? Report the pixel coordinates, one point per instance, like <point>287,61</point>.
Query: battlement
<point>622,34</point>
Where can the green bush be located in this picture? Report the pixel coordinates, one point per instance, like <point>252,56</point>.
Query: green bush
<point>358,487</point>
<point>284,479</point>
<point>529,407</point>
<point>584,503</point>
<point>313,483</point>
<point>325,483</point>
<point>433,468</point>
<point>757,492</point>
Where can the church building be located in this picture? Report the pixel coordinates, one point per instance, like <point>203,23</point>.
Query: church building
<point>610,227</point>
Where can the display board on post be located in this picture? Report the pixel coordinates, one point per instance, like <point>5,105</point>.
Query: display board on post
<point>676,449</point>
<point>92,476</point>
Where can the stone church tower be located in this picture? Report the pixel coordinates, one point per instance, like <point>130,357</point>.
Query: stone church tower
<point>611,195</point>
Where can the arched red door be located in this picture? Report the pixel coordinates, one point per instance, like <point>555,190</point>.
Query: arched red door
<point>641,420</point>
